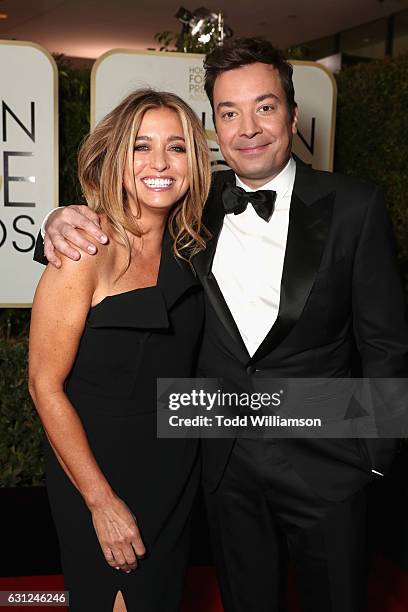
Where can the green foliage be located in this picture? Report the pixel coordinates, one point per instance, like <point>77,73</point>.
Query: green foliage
<point>371,140</point>
<point>74,121</point>
<point>21,462</point>
<point>167,40</point>
<point>14,324</point>
<point>185,42</point>
<point>296,53</point>
<point>192,44</point>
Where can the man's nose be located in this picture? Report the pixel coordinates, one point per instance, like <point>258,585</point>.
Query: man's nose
<point>249,126</point>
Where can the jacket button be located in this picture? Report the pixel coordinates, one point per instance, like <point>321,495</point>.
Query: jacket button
<point>250,370</point>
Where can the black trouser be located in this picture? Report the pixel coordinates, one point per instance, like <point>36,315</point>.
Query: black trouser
<point>259,498</point>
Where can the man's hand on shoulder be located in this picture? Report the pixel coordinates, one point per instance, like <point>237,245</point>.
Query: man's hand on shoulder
<point>62,235</point>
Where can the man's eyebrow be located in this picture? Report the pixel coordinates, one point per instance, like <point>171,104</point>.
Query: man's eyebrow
<point>266,97</point>
<point>169,139</point>
<point>261,98</point>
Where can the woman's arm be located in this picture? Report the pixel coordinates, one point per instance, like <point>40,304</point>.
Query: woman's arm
<point>60,307</point>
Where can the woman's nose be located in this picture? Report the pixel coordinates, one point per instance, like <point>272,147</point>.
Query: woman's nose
<point>159,161</point>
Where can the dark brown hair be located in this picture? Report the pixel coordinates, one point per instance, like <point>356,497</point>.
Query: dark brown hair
<point>240,52</point>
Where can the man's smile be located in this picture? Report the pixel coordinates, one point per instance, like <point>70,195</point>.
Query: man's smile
<point>253,150</point>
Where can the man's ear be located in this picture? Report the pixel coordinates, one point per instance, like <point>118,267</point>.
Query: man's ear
<point>295,119</point>
<point>215,128</point>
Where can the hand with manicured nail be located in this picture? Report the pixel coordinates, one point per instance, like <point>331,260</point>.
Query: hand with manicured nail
<point>62,233</point>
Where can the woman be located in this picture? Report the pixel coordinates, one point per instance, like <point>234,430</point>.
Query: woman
<point>102,330</point>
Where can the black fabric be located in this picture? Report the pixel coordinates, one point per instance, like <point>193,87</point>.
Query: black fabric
<point>236,200</point>
<point>129,340</point>
<point>262,498</point>
<point>340,289</point>
<point>39,251</point>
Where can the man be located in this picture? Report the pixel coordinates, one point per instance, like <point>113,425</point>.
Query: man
<point>295,275</point>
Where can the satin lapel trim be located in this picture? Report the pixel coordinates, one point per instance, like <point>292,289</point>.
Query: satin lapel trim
<point>213,219</point>
<point>202,262</point>
<point>307,234</point>
<point>216,299</point>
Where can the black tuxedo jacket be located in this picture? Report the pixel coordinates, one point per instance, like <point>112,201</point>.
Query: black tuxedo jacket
<point>340,291</point>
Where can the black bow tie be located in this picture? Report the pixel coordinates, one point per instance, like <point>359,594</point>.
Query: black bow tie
<point>236,199</point>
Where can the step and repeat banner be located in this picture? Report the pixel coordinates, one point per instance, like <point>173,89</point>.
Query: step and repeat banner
<point>29,143</point>
<point>29,163</point>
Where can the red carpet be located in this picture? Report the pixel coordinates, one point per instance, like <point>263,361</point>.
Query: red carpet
<point>388,589</point>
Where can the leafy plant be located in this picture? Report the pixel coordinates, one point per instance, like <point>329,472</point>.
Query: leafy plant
<point>371,138</point>
<point>296,53</point>
<point>167,40</point>
<point>187,42</point>
<point>74,122</point>
<point>21,461</point>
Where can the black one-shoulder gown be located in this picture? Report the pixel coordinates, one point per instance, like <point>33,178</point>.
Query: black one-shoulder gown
<point>130,339</point>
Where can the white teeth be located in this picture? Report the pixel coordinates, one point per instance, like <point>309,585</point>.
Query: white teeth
<point>159,182</point>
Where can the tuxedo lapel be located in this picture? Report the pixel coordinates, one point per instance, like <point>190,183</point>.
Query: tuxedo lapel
<point>213,218</point>
<point>309,223</point>
<point>202,262</point>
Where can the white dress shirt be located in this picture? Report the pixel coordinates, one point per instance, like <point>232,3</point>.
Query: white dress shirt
<point>248,261</point>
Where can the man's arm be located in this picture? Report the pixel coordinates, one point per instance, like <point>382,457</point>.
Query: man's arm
<point>39,251</point>
<point>380,320</point>
<point>61,234</point>
<point>379,308</point>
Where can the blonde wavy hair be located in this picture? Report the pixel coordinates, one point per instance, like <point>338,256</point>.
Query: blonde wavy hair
<point>109,147</point>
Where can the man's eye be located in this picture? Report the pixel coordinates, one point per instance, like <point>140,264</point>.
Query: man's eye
<point>229,115</point>
<point>266,108</point>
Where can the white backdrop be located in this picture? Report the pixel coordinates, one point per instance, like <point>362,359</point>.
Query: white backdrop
<point>119,71</point>
<point>29,163</point>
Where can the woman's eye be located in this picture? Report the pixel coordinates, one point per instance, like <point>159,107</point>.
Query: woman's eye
<point>141,147</point>
<point>178,148</point>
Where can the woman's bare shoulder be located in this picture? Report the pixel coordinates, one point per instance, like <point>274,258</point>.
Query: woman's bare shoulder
<point>87,271</point>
